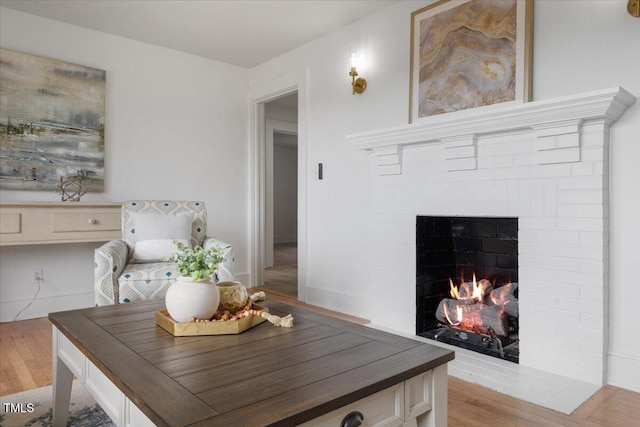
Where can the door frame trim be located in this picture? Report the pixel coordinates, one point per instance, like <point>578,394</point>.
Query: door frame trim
<point>296,81</point>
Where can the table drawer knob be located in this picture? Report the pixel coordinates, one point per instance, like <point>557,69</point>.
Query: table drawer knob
<point>353,419</point>
<point>92,221</point>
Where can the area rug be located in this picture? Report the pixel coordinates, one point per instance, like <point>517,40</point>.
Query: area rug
<point>34,408</point>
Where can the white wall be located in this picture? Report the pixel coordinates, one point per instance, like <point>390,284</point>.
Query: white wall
<point>575,50</point>
<point>175,129</point>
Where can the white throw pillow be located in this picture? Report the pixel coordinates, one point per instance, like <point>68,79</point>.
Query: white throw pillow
<point>155,250</point>
<point>154,233</point>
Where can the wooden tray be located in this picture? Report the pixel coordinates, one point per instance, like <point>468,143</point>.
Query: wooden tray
<point>166,322</point>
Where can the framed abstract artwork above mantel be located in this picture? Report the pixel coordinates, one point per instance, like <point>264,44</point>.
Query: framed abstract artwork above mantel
<point>51,123</point>
<point>468,54</point>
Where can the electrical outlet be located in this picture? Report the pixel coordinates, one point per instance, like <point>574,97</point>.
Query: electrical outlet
<point>38,276</point>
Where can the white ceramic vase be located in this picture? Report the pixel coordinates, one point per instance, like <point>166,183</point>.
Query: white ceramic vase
<point>187,298</point>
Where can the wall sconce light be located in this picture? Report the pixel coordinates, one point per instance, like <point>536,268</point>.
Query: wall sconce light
<point>358,85</point>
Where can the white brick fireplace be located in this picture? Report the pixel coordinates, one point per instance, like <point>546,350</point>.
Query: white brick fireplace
<point>544,162</point>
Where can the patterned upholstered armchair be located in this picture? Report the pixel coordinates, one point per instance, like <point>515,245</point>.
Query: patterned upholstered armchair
<point>133,269</point>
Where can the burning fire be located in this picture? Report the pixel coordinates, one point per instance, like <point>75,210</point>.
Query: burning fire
<point>459,315</point>
<point>476,293</point>
<point>466,294</point>
<point>479,307</point>
<point>454,290</point>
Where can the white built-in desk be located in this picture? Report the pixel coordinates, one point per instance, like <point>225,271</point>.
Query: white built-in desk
<point>29,223</point>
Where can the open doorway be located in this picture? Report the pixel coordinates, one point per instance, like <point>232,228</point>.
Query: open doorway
<point>260,95</point>
<point>281,195</point>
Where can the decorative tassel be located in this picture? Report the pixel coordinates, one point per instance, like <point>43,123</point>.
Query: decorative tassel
<point>285,322</point>
<point>258,296</point>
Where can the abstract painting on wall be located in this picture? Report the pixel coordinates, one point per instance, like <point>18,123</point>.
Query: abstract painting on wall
<point>51,123</point>
<point>469,53</point>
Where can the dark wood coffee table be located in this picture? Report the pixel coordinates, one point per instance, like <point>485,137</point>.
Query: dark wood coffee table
<point>319,371</point>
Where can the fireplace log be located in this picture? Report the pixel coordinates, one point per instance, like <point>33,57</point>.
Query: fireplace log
<point>504,297</point>
<point>466,289</point>
<point>478,318</point>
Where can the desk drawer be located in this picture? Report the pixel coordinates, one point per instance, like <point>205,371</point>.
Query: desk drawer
<point>38,223</point>
<point>385,408</point>
<point>64,222</point>
<point>10,223</point>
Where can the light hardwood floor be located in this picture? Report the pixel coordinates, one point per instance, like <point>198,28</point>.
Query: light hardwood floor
<point>25,356</point>
<point>283,276</point>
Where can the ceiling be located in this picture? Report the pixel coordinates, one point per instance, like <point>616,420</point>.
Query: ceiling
<point>244,33</point>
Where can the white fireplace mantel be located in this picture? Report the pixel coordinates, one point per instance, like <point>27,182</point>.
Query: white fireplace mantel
<point>556,123</point>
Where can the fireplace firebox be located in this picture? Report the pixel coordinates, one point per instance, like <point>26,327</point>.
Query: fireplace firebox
<point>467,283</point>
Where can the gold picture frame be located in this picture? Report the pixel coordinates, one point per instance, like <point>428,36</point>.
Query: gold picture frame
<point>468,54</point>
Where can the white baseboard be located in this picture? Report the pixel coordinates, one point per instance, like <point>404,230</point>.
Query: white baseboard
<point>624,371</point>
<point>41,307</point>
<point>337,302</point>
